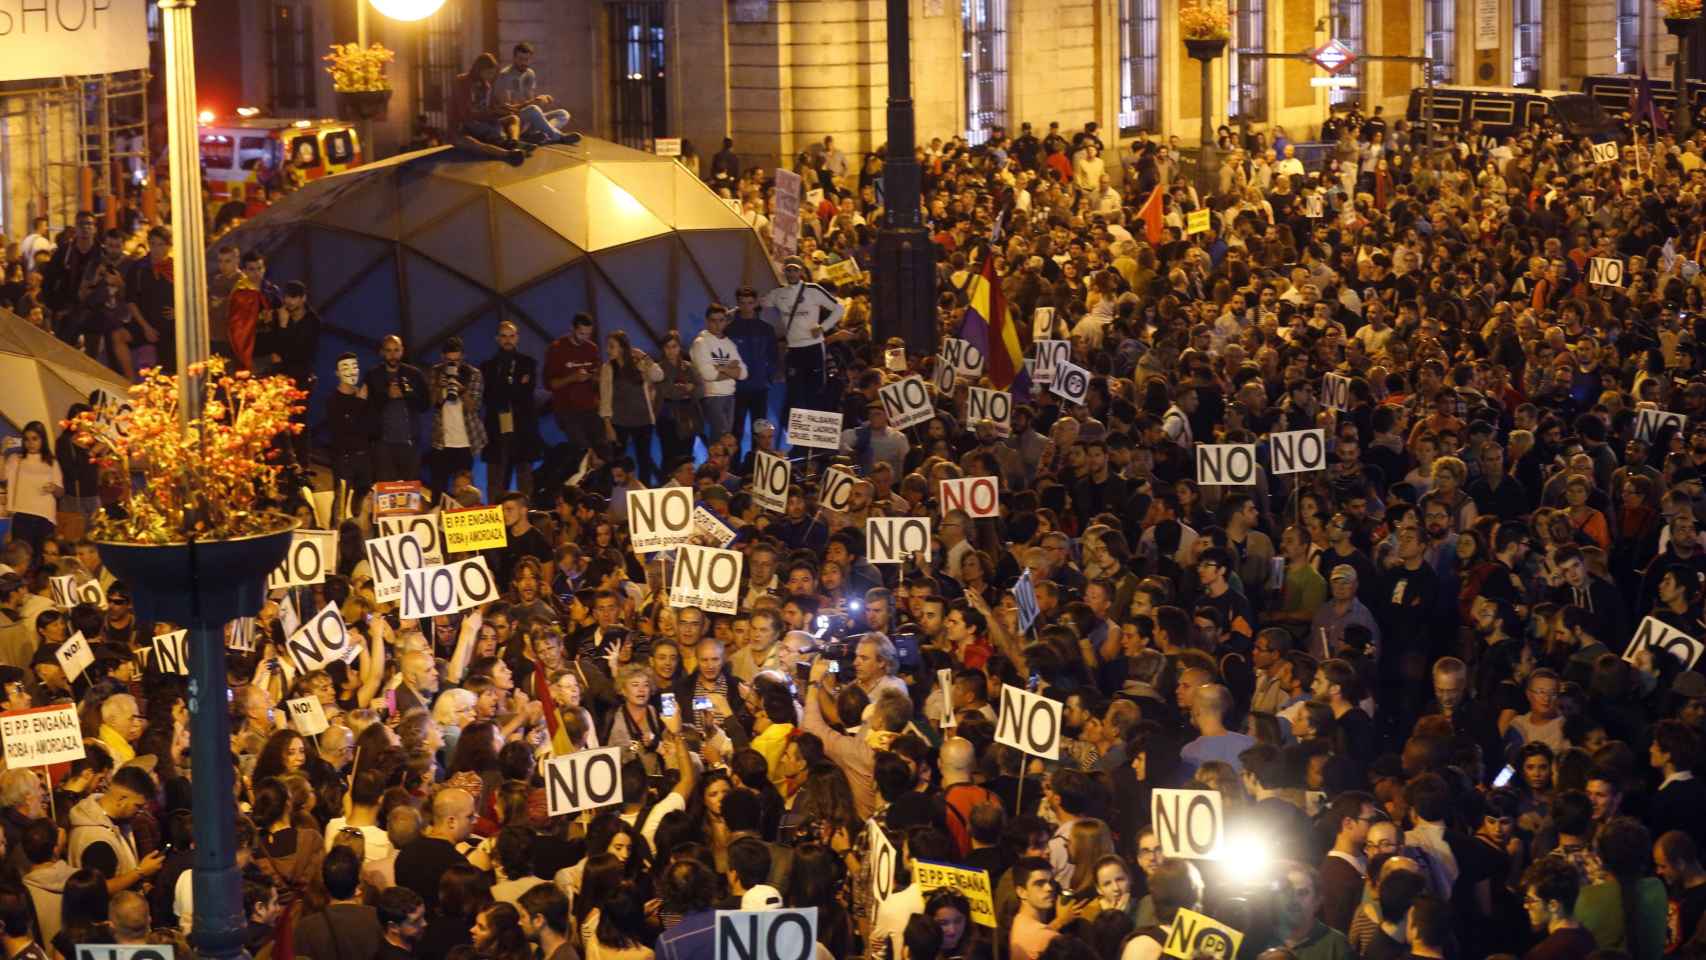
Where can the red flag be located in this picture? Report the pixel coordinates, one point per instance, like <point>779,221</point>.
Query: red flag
<point>1150,214</point>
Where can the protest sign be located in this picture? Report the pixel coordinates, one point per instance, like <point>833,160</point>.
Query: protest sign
<point>707,578</point>
<point>307,716</point>
<point>477,528</point>
<point>972,884</point>
<point>814,428</point>
<point>41,736</point>
<point>583,780</point>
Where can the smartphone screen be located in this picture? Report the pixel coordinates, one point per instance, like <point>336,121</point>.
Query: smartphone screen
<point>1504,777</point>
<point>834,666</point>
<point>701,704</point>
<point>668,705</point>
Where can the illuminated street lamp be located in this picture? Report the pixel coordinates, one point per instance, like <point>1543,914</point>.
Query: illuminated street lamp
<point>407,9</point>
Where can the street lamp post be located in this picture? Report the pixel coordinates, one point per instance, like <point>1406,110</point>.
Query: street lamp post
<point>1206,50</point>
<point>220,924</point>
<point>905,275</point>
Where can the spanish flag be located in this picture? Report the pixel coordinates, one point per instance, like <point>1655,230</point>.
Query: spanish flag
<point>988,325</point>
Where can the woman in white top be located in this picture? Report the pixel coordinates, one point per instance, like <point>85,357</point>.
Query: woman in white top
<point>33,486</point>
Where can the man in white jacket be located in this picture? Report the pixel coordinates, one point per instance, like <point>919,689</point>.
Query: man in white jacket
<point>720,367</point>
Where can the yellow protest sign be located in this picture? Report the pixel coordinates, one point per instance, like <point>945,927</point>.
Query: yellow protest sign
<point>1196,222</point>
<point>974,884</point>
<point>1195,935</point>
<point>477,528</point>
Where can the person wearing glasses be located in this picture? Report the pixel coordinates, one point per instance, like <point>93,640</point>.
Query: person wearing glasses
<point>1549,897</point>
<point>1544,721</point>
<point>1344,870</point>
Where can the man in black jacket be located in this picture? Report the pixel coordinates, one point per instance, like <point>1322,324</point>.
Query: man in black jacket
<point>354,428</point>
<point>397,394</point>
<point>512,418</point>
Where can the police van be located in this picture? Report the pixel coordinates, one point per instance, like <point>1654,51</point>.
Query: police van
<point>1507,111</point>
<point>1613,92</point>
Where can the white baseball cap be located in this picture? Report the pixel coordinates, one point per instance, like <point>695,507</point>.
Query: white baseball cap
<point>761,897</point>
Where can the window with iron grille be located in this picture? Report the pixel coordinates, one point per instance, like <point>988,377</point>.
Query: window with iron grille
<point>1439,37</point>
<point>438,61</point>
<point>1348,27</point>
<point>985,55</point>
<point>639,59</point>
<point>1525,38</point>
<point>290,44</point>
<point>1140,59</point>
<point>1628,36</point>
<point>1249,74</point>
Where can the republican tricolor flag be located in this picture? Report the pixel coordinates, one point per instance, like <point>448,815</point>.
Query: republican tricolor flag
<point>988,325</point>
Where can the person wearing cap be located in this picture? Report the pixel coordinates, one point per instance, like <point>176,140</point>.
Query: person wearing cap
<point>801,313</point>
<point>756,341</point>
<point>763,439</point>
<point>1341,610</point>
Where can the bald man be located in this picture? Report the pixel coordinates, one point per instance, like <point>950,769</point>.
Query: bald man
<point>1209,708</point>
<point>960,795</point>
<point>420,681</point>
<point>422,863</point>
<point>397,394</point>
<point>129,913</point>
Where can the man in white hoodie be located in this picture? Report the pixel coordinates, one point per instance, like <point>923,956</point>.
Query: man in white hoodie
<point>100,829</point>
<point>720,367</point>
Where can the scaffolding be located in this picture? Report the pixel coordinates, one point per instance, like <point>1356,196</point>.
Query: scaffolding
<point>72,143</point>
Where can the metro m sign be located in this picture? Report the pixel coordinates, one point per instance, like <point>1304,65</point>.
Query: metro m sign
<point>977,496</point>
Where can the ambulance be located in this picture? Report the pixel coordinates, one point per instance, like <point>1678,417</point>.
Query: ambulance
<point>235,152</point>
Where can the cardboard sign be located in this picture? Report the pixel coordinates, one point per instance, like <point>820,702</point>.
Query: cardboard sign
<point>1226,464</point>
<point>321,641</point>
<point>789,934</point>
<point>475,585</point>
<point>972,884</point>
<point>1336,392</point>
<point>312,554</point>
<point>41,736</point>
<point>1605,152</point>
<point>1314,206</point>
<point>706,577</point>
<point>770,478</point>
<point>426,528</point>
<point>964,357</point>
<point>977,496</point>
<point>943,378</point>
<point>907,402</point>
<point>74,656</point>
<point>996,406</point>
<point>68,592</point>
<point>429,592</point>
<point>1654,632</point>
<point>659,519</point>
<point>836,492</point>
<point>1025,595</point>
<point>1049,354</point>
<point>240,634</point>
<point>1649,422</point>
<point>1189,824</point>
<point>398,498</point>
<point>1071,382</point>
<point>1029,722</point>
<point>477,528</point>
<point>1197,221</point>
<point>1195,935</point>
<point>307,716</point>
<point>1296,451</point>
<point>387,559</point>
<point>584,780</point>
<point>1042,323</point>
<point>115,951</point>
<point>1605,272</point>
<point>883,860</point>
<point>172,653</point>
<point>894,360</point>
<point>708,525</point>
<point>896,539</point>
<point>818,429</point>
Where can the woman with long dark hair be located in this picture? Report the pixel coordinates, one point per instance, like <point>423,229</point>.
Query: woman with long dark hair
<point>83,913</point>
<point>625,401</point>
<point>33,485</point>
<point>463,894</point>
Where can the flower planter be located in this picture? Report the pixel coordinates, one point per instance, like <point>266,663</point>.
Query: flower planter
<point>207,582</point>
<point>1205,49</point>
<point>363,104</point>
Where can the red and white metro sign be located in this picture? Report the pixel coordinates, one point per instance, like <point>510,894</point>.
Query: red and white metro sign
<point>1334,57</point>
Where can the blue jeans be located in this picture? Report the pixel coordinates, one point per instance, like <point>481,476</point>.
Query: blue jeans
<point>535,120</point>
<point>719,416</point>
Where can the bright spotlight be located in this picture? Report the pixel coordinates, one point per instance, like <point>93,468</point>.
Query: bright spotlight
<point>206,116</point>
<point>408,9</point>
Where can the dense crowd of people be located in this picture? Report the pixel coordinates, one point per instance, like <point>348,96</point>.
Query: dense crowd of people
<point>1445,686</point>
